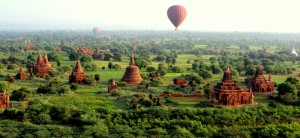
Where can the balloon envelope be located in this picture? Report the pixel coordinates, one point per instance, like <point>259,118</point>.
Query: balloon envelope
<point>176,15</point>
<point>96,30</point>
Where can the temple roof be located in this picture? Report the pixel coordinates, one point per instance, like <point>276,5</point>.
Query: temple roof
<point>46,61</point>
<point>78,67</point>
<point>132,74</point>
<point>259,71</point>
<point>39,59</point>
<point>227,77</point>
<point>132,63</point>
<point>113,82</point>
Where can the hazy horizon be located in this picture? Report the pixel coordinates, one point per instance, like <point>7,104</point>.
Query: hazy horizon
<point>231,15</point>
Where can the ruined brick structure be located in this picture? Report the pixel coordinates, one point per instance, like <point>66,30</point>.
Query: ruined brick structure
<point>153,74</point>
<point>41,66</point>
<point>179,81</point>
<point>112,86</point>
<point>29,45</point>
<point>97,54</point>
<point>58,49</point>
<point>229,93</point>
<point>77,75</point>
<point>22,75</point>
<point>4,100</point>
<point>132,75</point>
<point>31,73</point>
<point>259,84</point>
<point>10,79</point>
<point>84,50</point>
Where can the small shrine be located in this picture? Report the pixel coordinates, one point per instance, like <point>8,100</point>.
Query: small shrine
<point>112,86</point>
<point>132,75</point>
<point>84,50</point>
<point>97,54</point>
<point>4,100</point>
<point>41,66</point>
<point>229,93</point>
<point>259,84</point>
<point>77,75</point>
<point>153,75</point>
<point>22,75</point>
<point>10,79</point>
<point>179,81</point>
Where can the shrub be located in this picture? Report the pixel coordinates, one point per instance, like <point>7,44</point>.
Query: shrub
<point>20,95</point>
<point>150,69</point>
<point>89,81</point>
<point>52,73</point>
<point>177,69</point>
<point>74,86</point>
<point>12,66</point>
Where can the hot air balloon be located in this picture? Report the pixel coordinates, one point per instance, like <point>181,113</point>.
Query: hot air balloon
<point>176,14</point>
<point>96,30</point>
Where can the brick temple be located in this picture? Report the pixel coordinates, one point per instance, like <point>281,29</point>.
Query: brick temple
<point>77,75</point>
<point>4,100</point>
<point>84,50</point>
<point>97,54</point>
<point>229,93</point>
<point>22,75</point>
<point>258,82</point>
<point>41,66</point>
<point>132,75</point>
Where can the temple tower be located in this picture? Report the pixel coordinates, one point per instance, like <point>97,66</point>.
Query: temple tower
<point>132,75</point>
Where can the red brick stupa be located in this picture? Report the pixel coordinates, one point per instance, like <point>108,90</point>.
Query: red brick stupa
<point>132,75</point>
<point>41,66</point>
<point>259,83</point>
<point>4,100</point>
<point>77,75</point>
<point>22,75</point>
<point>229,93</point>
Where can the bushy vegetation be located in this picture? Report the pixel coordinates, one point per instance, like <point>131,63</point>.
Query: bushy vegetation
<point>51,107</point>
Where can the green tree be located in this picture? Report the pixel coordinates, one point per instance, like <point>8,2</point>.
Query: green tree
<point>177,69</point>
<point>141,63</point>
<point>286,87</point>
<point>3,85</point>
<point>162,69</point>
<point>110,65</point>
<point>116,66</point>
<point>205,74</point>
<point>86,59</point>
<point>150,69</point>
<point>215,68</point>
<point>292,80</point>
<point>74,56</point>
<point>20,94</point>
<point>97,77</point>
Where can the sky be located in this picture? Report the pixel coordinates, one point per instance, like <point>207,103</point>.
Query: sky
<point>202,15</point>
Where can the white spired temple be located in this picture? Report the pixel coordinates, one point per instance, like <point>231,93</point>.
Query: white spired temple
<point>294,52</point>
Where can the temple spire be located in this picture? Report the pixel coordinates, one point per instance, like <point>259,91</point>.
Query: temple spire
<point>259,70</point>
<point>227,77</point>
<point>46,61</point>
<point>113,82</point>
<point>270,77</point>
<point>132,63</point>
<point>78,66</point>
<point>39,59</point>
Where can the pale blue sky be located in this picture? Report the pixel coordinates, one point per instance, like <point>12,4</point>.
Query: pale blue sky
<point>203,15</point>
